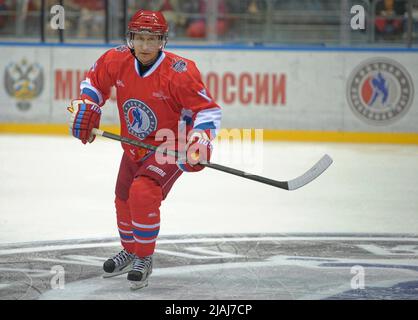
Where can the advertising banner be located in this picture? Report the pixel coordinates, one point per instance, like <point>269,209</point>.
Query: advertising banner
<point>348,91</point>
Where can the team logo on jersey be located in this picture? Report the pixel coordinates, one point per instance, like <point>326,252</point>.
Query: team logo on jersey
<point>119,83</point>
<point>180,66</point>
<point>380,91</point>
<point>160,95</point>
<point>122,48</point>
<point>23,81</point>
<point>157,170</point>
<point>140,119</point>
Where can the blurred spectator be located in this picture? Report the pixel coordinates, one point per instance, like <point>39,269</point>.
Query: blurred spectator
<point>256,9</point>
<point>305,5</point>
<point>3,16</point>
<point>389,19</point>
<point>92,17</point>
<point>256,12</point>
<point>170,9</point>
<point>414,20</point>
<point>24,17</point>
<point>197,27</point>
<point>253,8</point>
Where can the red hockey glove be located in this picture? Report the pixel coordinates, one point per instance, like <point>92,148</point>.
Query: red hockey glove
<point>198,152</point>
<point>85,115</point>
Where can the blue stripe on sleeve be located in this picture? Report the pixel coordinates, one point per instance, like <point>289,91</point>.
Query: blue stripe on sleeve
<point>205,126</point>
<point>94,97</point>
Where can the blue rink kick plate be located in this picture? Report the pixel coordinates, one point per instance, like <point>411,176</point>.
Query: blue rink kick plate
<point>230,267</point>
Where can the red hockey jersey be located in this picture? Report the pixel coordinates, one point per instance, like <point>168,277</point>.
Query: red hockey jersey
<point>170,92</point>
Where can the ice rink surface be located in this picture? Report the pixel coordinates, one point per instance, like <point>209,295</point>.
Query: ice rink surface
<point>235,238</point>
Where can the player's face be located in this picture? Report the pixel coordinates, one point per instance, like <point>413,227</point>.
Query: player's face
<point>147,47</point>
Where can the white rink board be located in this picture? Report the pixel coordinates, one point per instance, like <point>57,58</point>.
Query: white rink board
<point>302,90</point>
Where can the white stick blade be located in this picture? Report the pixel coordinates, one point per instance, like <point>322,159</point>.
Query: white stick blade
<point>311,174</point>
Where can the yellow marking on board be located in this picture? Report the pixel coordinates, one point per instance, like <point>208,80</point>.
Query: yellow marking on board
<point>267,134</point>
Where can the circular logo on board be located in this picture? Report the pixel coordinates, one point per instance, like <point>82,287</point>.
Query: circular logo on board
<point>140,119</point>
<point>380,91</point>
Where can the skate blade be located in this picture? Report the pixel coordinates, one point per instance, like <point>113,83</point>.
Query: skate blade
<point>136,285</point>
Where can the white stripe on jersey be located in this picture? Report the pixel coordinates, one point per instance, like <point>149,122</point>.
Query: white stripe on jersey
<point>87,84</point>
<point>209,115</point>
<point>203,94</point>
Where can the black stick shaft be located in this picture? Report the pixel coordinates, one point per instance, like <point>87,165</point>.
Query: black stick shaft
<point>239,173</point>
<point>242,174</point>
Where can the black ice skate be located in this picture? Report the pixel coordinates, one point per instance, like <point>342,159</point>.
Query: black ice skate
<point>141,270</point>
<point>119,264</point>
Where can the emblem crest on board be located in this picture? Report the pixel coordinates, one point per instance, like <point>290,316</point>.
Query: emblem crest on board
<point>23,81</point>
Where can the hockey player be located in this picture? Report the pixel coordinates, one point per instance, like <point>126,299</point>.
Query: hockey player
<point>156,90</point>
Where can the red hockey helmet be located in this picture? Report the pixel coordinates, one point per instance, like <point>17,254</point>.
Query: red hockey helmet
<point>148,22</point>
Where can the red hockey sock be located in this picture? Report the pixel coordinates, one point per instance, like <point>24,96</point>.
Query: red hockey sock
<point>124,221</point>
<point>145,196</point>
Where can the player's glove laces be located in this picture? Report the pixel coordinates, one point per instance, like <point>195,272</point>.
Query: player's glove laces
<point>198,152</point>
<point>85,115</point>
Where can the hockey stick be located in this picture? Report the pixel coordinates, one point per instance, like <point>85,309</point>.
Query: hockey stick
<point>293,184</point>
